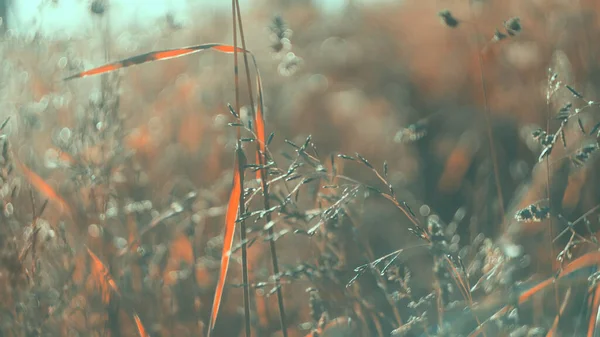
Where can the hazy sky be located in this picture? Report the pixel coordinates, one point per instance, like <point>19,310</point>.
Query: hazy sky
<point>65,18</point>
<point>72,17</point>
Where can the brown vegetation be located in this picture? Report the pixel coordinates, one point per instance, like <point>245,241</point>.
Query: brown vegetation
<point>423,169</point>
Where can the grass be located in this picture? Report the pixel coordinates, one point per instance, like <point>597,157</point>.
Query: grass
<point>395,173</point>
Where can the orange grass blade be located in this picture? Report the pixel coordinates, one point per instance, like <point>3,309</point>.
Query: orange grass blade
<point>230,221</point>
<point>140,326</point>
<point>105,281</point>
<point>587,260</point>
<point>455,168</point>
<point>581,267</point>
<point>594,320</point>
<point>155,56</point>
<point>259,122</point>
<point>228,49</point>
<point>554,328</point>
<point>526,295</point>
<point>42,186</point>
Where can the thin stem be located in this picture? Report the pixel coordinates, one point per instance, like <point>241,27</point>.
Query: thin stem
<point>241,163</point>
<point>265,188</point>
<point>241,211</point>
<point>489,126</point>
<point>550,224</point>
<point>236,78</point>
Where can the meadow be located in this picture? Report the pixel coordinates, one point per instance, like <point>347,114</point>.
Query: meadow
<point>425,168</point>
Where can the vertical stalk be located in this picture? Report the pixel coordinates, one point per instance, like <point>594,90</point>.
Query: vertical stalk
<point>241,162</point>
<point>262,161</point>
<point>488,118</point>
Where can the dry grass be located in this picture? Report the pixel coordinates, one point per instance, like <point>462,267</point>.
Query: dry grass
<point>428,173</point>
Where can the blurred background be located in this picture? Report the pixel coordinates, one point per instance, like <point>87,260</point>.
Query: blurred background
<point>450,106</point>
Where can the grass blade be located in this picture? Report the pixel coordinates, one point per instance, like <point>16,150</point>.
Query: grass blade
<point>259,122</point>
<point>594,318</point>
<point>42,186</point>
<point>160,55</point>
<point>261,159</point>
<point>140,326</point>
<point>580,268</point>
<point>230,220</point>
<point>103,278</point>
<point>554,328</point>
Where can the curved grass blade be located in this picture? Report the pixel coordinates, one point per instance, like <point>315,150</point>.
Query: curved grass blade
<point>140,326</point>
<point>160,55</point>
<point>230,221</point>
